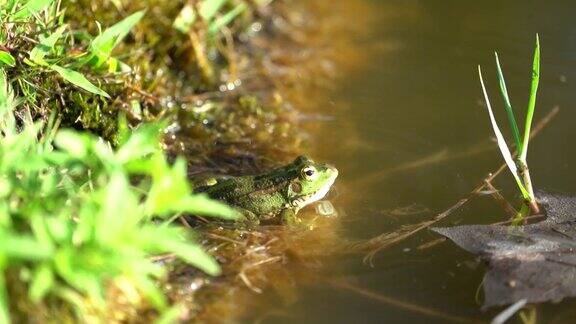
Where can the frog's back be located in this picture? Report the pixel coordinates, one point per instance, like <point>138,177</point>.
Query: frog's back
<point>228,189</point>
<point>248,192</point>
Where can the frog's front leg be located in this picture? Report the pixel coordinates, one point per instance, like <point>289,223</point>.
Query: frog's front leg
<point>289,217</point>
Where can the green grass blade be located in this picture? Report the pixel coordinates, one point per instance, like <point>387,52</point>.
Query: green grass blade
<point>78,80</point>
<point>209,8</point>
<point>531,100</point>
<point>507,104</point>
<point>215,26</point>
<point>501,142</point>
<point>185,19</point>
<point>104,43</point>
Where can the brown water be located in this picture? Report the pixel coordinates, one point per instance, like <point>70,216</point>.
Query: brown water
<point>410,137</point>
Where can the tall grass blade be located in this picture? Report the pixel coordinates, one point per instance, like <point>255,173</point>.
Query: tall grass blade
<point>113,35</point>
<point>216,25</point>
<point>209,8</point>
<point>507,104</point>
<point>531,100</point>
<point>501,142</point>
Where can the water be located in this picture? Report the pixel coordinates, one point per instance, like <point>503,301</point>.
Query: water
<point>410,130</point>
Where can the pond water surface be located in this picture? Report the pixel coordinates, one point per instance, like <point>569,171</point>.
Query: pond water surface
<point>410,136</point>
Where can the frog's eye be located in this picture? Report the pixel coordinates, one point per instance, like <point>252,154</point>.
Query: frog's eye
<point>309,173</point>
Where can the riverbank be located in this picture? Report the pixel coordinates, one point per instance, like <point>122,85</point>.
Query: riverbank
<point>231,82</point>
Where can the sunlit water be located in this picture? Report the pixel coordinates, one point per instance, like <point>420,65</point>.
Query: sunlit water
<point>411,136</point>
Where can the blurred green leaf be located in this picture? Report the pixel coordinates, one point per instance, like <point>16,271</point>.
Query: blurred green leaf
<point>7,59</point>
<point>70,264</point>
<point>173,239</point>
<point>42,282</point>
<point>227,18</point>
<point>193,254</point>
<point>4,309</point>
<point>143,141</point>
<point>209,8</point>
<point>7,104</point>
<point>170,316</point>
<point>75,144</point>
<point>203,205</point>
<point>150,290</point>
<point>185,19</point>
<point>30,8</point>
<point>169,186</point>
<point>24,247</point>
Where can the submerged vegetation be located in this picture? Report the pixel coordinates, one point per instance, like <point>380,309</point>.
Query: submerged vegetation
<point>518,165</point>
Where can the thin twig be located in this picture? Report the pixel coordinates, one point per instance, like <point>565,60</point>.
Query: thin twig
<point>223,238</point>
<point>506,206</point>
<point>527,218</point>
<point>144,93</point>
<point>430,244</point>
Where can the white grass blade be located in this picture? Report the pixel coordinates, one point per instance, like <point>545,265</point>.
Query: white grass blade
<point>500,140</point>
<point>507,314</point>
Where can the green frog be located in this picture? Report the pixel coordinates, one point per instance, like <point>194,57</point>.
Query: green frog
<point>281,192</point>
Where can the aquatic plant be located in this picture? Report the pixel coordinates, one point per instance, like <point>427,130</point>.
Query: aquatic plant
<point>77,216</point>
<point>517,164</point>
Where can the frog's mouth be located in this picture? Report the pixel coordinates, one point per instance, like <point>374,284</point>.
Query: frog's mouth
<point>303,201</point>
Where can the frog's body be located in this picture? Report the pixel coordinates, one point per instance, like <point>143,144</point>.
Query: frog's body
<point>280,192</point>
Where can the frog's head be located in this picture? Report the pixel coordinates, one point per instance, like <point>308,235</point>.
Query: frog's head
<point>310,181</point>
